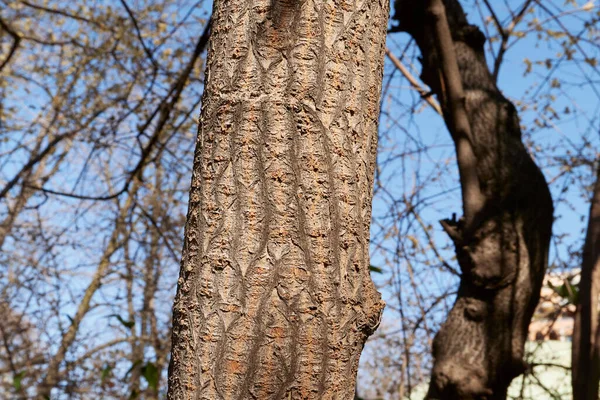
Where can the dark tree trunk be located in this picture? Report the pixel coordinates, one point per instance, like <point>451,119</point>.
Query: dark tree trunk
<point>503,239</point>
<point>586,335</point>
<point>274,298</point>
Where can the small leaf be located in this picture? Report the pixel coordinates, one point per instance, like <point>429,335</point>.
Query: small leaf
<point>127,324</point>
<point>133,366</point>
<point>588,6</point>
<point>529,65</point>
<point>17,379</point>
<point>105,373</point>
<point>413,240</point>
<point>567,291</point>
<point>375,269</point>
<point>150,373</point>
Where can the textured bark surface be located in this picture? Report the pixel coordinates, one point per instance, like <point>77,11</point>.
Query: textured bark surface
<point>503,249</point>
<point>274,299</point>
<point>586,333</point>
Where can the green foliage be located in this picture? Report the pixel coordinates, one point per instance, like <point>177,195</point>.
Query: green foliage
<point>17,379</point>
<point>567,291</point>
<point>105,373</point>
<point>375,269</point>
<point>126,324</point>
<point>150,373</point>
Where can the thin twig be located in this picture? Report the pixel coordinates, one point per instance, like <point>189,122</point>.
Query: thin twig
<point>425,95</point>
<point>505,34</point>
<point>15,45</point>
<point>138,32</point>
<point>164,109</point>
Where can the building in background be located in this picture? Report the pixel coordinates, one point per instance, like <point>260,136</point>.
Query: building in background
<point>554,316</point>
<point>548,351</point>
<point>550,336</point>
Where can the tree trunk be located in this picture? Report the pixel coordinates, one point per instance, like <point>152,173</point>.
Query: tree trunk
<point>586,334</point>
<point>274,298</point>
<point>502,242</point>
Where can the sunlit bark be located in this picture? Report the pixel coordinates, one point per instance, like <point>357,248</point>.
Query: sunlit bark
<point>275,299</point>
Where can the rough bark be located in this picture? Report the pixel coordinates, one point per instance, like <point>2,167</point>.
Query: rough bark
<point>274,298</point>
<point>586,334</point>
<point>502,247</point>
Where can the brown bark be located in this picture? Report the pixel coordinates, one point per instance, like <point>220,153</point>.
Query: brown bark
<point>275,300</point>
<point>501,244</point>
<point>586,333</point>
<point>456,115</point>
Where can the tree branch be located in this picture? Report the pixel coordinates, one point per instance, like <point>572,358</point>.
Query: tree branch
<point>425,95</point>
<point>15,45</point>
<point>458,120</point>
<point>164,110</point>
<point>138,32</point>
<point>505,34</point>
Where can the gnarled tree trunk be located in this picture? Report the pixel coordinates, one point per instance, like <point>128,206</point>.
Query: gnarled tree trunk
<point>274,299</point>
<point>586,334</point>
<point>502,241</point>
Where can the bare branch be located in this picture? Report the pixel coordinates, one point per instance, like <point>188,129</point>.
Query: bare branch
<point>458,120</point>
<point>15,44</point>
<point>425,95</point>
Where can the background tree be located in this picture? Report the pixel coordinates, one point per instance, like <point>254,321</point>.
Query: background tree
<point>502,241</point>
<point>274,296</point>
<point>96,105</point>
<point>546,67</point>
